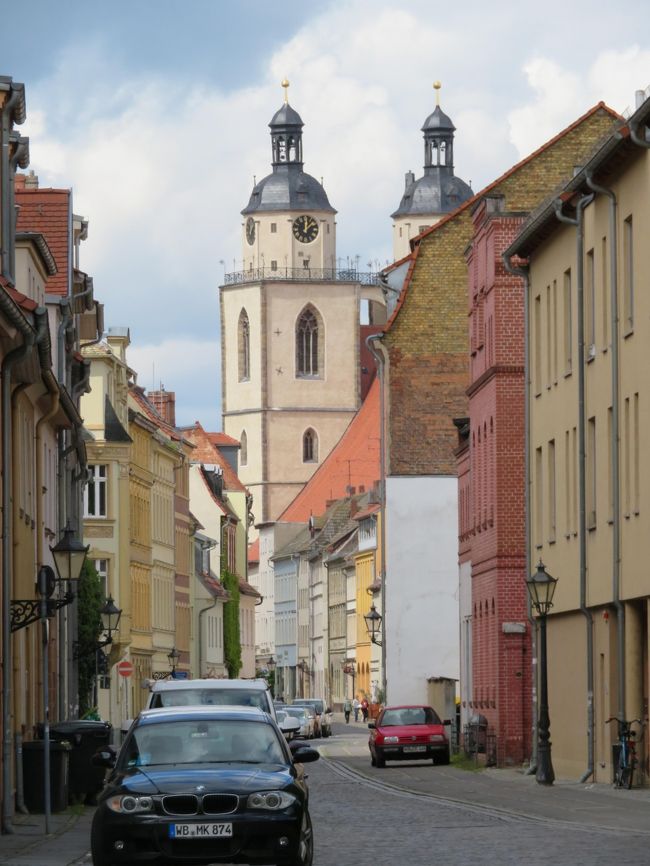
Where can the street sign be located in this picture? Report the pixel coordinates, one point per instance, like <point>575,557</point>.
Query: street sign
<point>125,668</point>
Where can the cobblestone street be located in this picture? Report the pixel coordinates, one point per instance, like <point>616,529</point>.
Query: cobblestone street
<point>357,819</point>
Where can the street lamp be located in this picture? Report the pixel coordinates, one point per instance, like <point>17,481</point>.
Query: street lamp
<point>270,665</point>
<point>373,624</point>
<point>110,615</point>
<point>173,655</point>
<point>69,556</point>
<point>541,588</point>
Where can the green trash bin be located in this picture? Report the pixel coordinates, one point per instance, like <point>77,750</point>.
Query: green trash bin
<point>34,775</point>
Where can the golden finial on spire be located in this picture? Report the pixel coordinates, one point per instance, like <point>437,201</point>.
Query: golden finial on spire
<point>436,86</point>
<point>285,84</point>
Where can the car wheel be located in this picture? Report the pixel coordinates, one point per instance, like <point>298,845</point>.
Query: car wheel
<point>442,758</point>
<point>305,855</point>
<point>380,762</point>
<point>98,854</point>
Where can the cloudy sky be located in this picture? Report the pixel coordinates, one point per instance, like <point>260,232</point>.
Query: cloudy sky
<point>156,113</point>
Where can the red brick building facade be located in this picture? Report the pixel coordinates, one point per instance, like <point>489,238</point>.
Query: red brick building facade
<point>491,487</point>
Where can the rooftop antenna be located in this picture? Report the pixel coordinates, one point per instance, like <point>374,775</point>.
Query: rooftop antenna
<point>436,86</point>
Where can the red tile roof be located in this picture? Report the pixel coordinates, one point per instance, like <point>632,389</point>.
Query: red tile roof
<point>221,439</point>
<point>246,588</point>
<point>254,552</point>
<point>353,462</point>
<point>22,300</point>
<point>47,211</point>
<point>206,451</point>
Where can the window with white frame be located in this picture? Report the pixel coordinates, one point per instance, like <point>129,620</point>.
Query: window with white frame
<point>95,498</point>
<point>101,567</point>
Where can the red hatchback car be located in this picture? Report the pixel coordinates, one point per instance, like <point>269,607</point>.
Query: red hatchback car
<point>408,734</point>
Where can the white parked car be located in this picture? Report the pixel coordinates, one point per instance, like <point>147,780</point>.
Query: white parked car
<point>307,719</point>
<point>211,692</point>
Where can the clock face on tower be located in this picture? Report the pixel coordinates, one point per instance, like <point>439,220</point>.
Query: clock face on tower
<point>250,230</point>
<point>305,229</point>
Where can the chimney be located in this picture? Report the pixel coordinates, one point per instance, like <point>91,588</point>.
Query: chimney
<point>31,180</point>
<point>165,404</point>
<point>409,180</point>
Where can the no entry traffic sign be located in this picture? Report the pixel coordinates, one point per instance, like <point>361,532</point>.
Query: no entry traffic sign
<point>125,668</point>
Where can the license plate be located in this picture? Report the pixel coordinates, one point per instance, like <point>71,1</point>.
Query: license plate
<point>415,748</point>
<point>199,831</point>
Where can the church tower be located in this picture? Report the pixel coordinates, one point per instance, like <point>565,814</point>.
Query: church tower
<point>438,191</point>
<point>290,329</point>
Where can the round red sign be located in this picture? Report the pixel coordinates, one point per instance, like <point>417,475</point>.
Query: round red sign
<point>125,668</point>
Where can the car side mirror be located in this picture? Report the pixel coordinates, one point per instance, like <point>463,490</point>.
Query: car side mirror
<point>304,755</point>
<point>104,757</point>
<point>372,726</point>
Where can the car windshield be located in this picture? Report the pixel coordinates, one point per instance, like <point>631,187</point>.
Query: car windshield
<point>297,712</point>
<point>203,741</point>
<point>317,706</point>
<point>410,716</point>
<point>210,697</point>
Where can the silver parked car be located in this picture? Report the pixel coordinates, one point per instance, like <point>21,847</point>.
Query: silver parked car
<point>307,719</point>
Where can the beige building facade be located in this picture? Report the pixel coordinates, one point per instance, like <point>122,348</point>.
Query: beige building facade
<point>290,329</point>
<point>589,409</point>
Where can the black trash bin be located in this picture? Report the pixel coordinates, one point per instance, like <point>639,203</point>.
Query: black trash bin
<point>85,737</point>
<point>34,775</point>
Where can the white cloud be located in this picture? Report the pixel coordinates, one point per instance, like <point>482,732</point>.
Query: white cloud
<point>162,168</point>
<point>561,94</point>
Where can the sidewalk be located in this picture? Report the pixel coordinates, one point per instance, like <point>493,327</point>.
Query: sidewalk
<point>67,845</point>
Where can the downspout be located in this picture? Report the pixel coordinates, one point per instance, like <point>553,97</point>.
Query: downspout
<point>578,222</point>
<point>524,273</point>
<point>11,359</point>
<point>380,359</point>
<point>615,455</point>
<point>7,173</point>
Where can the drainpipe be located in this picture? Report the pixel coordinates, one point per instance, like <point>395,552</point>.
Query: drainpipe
<point>10,111</point>
<point>11,359</point>
<point>205,546</point>
<point>380,358</point>
<point>578,222</point>
<point>524,272</point>
<point>615,455</point>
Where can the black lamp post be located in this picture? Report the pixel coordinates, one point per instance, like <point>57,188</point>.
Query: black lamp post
<point>173,655</point>
<point>373,624</point>
<point>541,587</point>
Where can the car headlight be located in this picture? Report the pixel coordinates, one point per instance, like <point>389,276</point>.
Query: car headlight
<point>273,800</point>
<point>436,738</point>
<point>391,739</point>
<point>127,804</point>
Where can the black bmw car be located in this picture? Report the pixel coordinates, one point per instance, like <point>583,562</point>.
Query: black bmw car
<point>202,785</point>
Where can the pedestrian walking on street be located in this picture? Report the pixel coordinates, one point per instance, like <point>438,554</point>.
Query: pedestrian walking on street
<point>364,708</point>
<point>356,705</point>
<point>347,708</point>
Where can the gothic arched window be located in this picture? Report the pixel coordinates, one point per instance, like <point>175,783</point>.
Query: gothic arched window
<point>310,447</point>
<point>244,347</point>
<point>308,346</point>
<point>243,448</point>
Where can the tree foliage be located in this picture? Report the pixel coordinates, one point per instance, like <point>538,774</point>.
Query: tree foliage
<point>90,599</point>
<point>231,635</point>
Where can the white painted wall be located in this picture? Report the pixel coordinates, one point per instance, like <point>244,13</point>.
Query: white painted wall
<point>421,623</point>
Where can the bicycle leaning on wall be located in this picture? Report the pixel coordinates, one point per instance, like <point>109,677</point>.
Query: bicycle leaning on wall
<point>627,758</point>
